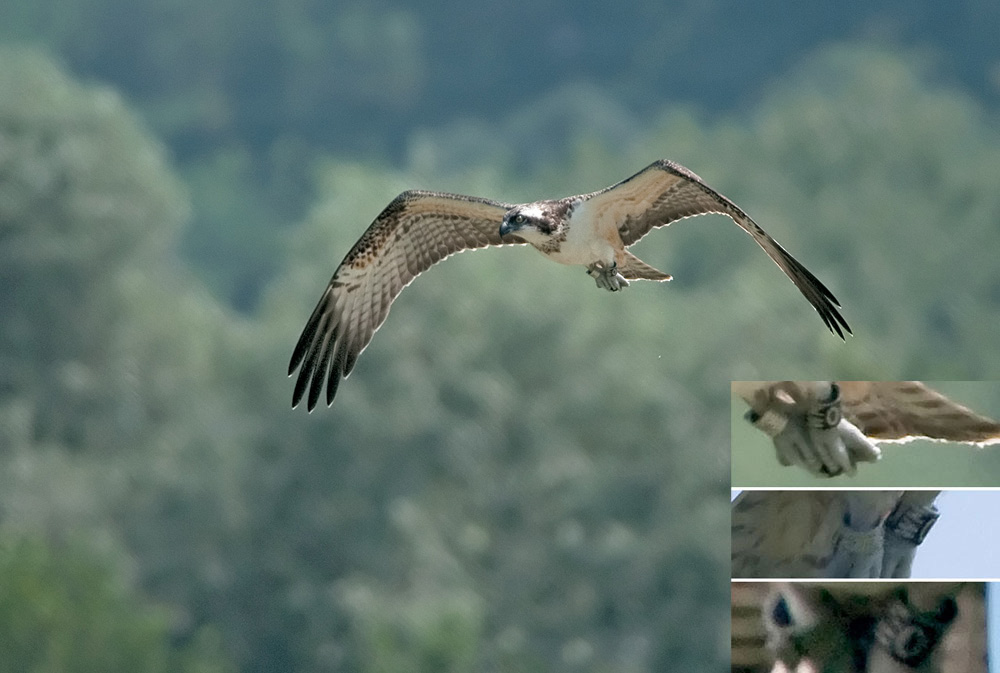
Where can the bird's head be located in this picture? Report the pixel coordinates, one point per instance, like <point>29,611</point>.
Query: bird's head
<point>533,222</point>
<point>871,628</point>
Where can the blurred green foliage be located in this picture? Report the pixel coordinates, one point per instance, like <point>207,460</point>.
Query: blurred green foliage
<point>62,609</point>
<point>524,473</point>
<point>250,94</point>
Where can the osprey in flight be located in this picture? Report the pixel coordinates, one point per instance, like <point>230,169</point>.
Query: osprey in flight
<point>420,228</point>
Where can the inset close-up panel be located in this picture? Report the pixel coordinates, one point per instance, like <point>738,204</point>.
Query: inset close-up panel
<point>848,434</point>
<point>855,627</point>
<point>922,534</point>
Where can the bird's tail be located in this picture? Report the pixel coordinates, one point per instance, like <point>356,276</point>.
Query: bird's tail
<point>634,268</point>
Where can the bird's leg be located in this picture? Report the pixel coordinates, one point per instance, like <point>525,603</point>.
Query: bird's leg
<point>607,277</point>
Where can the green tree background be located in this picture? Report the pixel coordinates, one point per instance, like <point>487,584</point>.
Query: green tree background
<point>524,473</point>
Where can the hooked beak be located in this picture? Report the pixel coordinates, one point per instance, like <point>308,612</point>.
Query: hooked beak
<point>506,227</point>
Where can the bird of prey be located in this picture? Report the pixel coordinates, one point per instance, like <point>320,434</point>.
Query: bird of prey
<point>420,228</point>
<point>899,411</point>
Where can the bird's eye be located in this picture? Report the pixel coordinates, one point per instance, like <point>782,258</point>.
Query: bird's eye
<point>519,219</point>
<point>780,614</point>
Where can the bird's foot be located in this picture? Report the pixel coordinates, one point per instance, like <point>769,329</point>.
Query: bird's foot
<point>607,277</point>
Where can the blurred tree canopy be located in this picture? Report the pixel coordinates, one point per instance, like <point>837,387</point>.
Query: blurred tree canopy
<point>524,473</point>
<point>62,610</point>
<point>250,95</point>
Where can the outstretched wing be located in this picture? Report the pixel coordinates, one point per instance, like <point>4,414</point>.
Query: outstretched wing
<point>902,410</point>
<point>665,192</point>
<point>414,232</point>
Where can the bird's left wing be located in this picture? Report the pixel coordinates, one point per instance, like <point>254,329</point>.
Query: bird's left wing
<point>665,192</point>
<point>414,232</point>
<point>904,410</point>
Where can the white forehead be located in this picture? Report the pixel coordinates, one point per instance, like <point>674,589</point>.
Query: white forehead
<point>532,212</point>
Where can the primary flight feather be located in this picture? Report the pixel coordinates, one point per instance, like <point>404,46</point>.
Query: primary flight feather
<point>420,228</point>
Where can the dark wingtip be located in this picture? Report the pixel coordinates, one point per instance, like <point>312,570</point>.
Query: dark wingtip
<point>331,388</point>
<point>300,385</point>
<point>824,301</point>
<point>832,317</point>
<point>831,323</point>
<point>305,341</point>
<point>318,374</point>
<point>847,328</point>
<point>834,321</point>
<point>314,391</point>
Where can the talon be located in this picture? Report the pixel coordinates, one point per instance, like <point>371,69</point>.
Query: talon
<point>607,277</point>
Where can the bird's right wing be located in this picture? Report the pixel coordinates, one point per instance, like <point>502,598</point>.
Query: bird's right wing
<point>414,232</point>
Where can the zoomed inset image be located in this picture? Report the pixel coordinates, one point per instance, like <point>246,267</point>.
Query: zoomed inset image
<point>850,627</point>
<point>865,534</point>
<point>846,434</point>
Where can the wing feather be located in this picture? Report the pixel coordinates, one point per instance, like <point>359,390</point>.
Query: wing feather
<point>665,192</point>
<point>783,533</point>
<point>414,232</point>
<point>903,410</point>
